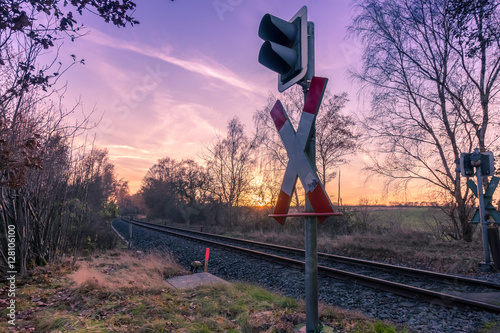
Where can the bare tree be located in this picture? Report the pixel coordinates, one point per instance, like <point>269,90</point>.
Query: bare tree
<point>159,189</point>
<point>335,137</point>
<point>425,63</point>
<point>43,25</point>
<point>230,161</point>
<point>89,204</point>
<point>191,182</point>
<point>175,190</point>
<point>125,201</point>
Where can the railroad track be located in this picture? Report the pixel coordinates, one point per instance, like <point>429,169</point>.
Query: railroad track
<point>436,288</point>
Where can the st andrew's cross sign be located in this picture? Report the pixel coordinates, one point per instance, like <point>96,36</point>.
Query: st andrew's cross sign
<point>300,164</point>
<point>488,205</point>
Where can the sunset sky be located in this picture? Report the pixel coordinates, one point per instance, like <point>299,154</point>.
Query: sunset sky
<point>168,85</point>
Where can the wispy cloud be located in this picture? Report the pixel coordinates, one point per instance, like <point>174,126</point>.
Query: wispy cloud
<point>200,66</point>
<point>121,147</point>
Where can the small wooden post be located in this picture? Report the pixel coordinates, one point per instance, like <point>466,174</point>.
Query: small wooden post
<point>494,241</point>
<point>130,235</point>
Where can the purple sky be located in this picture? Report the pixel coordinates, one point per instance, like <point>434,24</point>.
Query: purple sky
<point>167,85</point>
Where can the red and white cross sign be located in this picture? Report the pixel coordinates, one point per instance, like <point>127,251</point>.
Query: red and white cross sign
<point>299,164</point>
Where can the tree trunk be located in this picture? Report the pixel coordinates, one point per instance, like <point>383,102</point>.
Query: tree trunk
<point>22,232</point>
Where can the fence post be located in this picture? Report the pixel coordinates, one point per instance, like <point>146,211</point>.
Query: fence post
<point>494,241</point>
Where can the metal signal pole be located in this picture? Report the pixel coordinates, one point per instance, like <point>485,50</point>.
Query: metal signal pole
<point>311,222</point>
<point>486,266</point>
<point>288,49</point>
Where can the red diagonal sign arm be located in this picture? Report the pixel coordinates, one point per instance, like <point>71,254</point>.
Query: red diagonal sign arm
<point>311,108</point>
<point>315,94</point>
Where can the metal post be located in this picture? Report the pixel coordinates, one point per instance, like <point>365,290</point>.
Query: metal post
<point>312,316</point>
<point>311,223</point>
<point>311,253</point>
<point>130,235</point>
<point>482,214</point>
<point>494,242</point>
<point>338,194</point>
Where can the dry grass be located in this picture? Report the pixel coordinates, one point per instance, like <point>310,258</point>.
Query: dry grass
<point>110,286</point>
<point>125,271</point>
<point>411,248</point>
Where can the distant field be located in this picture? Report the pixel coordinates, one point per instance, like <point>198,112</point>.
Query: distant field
<point>417,218</point>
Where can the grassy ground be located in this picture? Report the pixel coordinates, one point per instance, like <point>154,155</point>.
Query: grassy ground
<point>121,291</point>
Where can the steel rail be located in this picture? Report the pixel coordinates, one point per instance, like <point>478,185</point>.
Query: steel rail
<point>416,293</point>
<point>408,271</point>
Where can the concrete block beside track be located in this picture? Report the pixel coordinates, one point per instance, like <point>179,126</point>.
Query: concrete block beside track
<point>194,280</point>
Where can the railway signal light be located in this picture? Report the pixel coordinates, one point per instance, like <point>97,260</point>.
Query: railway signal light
<point>487,164</point>
<point>285,48</point>
<point>466,168</point>
<point>470,160</point>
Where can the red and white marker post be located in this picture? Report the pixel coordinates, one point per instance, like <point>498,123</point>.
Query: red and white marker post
<point>207,255</point>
